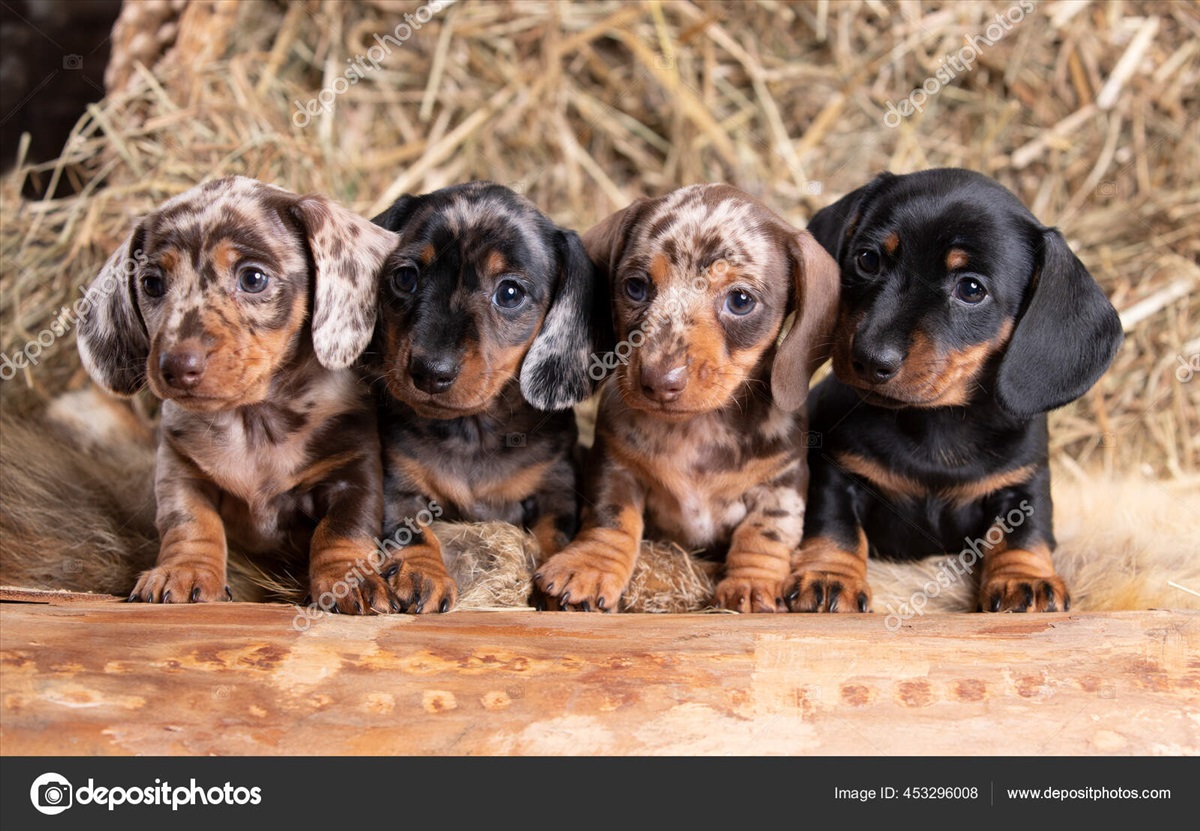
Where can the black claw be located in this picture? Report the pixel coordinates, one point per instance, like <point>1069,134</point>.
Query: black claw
<point>166,596</point>
<point>132,598</point>
<point>818,595</point>
<point>585,606</point>
<point>996,599</point>
<point>537,575</point>
<point>444,606</point>
<point>565,599</point>
<point>391,571</point>
<point>794,594</point>
<point>549,588</point>
<point>148,598</point>
<point>228,594</point>
<point>539,605</point>
<point>835,593</point>
<point>195,595</point>
<point>357,607</point>
<point>600,603</point>
<point>1067,603</point>
<point>1026,597</point>
<point>862,601</point>
<point>1051,606</point>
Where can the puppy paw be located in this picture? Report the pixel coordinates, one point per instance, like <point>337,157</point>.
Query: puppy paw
<point>571,581</point>
<point>180,584</point>
<point>820,591</point>
<point>740,594</point>
<point>350,588</point>
<point>1024,594</point>
<point>420,588</point>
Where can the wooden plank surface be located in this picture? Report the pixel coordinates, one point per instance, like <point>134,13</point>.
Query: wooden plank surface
<point>104,677</point>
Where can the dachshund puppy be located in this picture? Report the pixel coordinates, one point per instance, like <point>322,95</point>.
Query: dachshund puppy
<point>489,316</point>
<point>963,321</point>
<point>243,306</point>
<point>699,434</point>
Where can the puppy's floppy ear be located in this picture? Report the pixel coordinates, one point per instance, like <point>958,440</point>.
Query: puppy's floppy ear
<point>348,252</point>
<point>605,241</point>
<point>399,212</point>
<point>834,224</point>
<point>554,374</point>
<point>1064,340</point>
<point>111,336</point>
<point>817,287</point>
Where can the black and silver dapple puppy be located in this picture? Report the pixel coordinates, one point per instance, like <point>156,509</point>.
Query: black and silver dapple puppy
<point>963,321</point>
<point>489,316</point>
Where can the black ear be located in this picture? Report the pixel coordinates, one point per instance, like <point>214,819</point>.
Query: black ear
<point>399,212</point>
<point>554,374</point>
<point>834,224</point>
<point>1066,338</point>
<point>112,339</point>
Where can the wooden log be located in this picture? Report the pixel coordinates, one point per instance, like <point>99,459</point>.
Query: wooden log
<point>103,677</point>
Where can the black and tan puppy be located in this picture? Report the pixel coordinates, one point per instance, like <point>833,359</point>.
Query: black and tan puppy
<point>242,306</point>
<point>699,435</point>
<point>963,321</point>
<point>488,321</point>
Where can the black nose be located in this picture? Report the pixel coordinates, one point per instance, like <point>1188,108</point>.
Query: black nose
<point>182,366</point>
<point>433,374</point>
<point>664,384</point>
<point>876,365</point>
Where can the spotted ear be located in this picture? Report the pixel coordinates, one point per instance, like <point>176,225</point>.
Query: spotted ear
<point>606,241</point>
<point>348,252</point>
<point>1064,340</point>
<point>554,374</point>
<point>834,225</point>
<point>111,337</point>
<point>817,288</point>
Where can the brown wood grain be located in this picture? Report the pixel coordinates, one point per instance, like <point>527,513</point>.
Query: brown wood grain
<point>105,677</point>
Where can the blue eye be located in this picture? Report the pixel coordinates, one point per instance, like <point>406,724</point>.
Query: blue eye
<point>970,291</point>
<point>509,294</point>
<point>252,280</point>
<point>153,285</point>
<point>404,278</point>
<point>637,289</point>
<point>739,303</point>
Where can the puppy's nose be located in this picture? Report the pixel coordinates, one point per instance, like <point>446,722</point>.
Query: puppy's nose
<point>662,384</point>
<point>876,365</point>
<point>433,374</point>
<point>182,366</point>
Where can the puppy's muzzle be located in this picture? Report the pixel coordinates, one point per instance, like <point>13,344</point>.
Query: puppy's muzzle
<point>182,366</point>
<point>875,364</point>
<point>433,373</point>
<point>664,383</point>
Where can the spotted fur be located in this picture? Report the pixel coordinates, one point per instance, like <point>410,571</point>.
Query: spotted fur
<point>700,431</point>
<point>268,439</point>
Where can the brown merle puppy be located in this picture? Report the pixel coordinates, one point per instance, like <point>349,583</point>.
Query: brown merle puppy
<point>242,306</point>
<point>963,321</point>
<point>699,435</point>
<point>488,321</point>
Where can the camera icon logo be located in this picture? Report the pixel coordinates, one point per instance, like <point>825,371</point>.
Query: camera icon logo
<point>51,794</point>
<point>72,61</point>
<point>812,439</point>
<point>515,440</point>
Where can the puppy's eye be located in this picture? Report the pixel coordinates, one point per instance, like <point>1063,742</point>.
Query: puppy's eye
<point>637,289</point>
<point>739,303</point>
<point>252,280</point>
<point>153,285</point>
<point>868,261</point>
<point>970,291</point>
<point>404,278</point>
<point>509,294</point>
